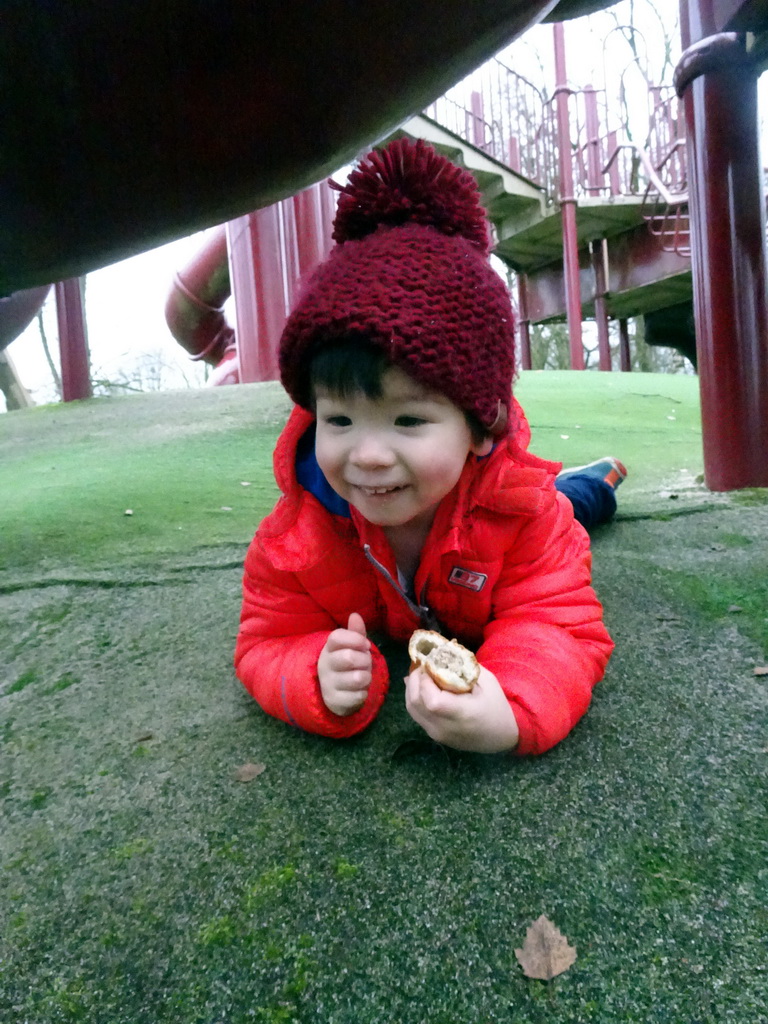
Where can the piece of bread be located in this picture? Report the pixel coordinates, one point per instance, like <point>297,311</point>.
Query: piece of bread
<point>449,664</point>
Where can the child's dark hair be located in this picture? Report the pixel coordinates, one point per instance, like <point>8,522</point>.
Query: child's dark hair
<point>354,365</point>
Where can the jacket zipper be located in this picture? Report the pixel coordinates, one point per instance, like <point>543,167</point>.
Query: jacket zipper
<point>423,613</point>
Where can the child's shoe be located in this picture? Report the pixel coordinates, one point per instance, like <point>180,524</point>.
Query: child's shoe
<point>608,469</point>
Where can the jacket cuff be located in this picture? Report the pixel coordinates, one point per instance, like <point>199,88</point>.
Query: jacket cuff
<point>526,743</point>
<point>304,706</point>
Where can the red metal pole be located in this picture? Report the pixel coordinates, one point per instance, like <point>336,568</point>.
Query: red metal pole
<point>310,227</point>
<point>719,88</point>
<point>256,272</point>
<point>478,120</point>
<point>568,205</point>
<point>524,322</point>
<point>601,307</point>
<point>73,340</point>
<point>624,354</point>
<point>328,200</point>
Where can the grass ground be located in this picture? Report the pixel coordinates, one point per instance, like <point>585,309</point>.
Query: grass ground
<point>383,879</point>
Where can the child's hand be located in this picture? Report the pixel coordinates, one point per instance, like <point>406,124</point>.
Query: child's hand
<point>344,667</point>
<point>480,721</point>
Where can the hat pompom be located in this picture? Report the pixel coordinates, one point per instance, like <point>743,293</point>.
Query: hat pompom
<point>408,182</point>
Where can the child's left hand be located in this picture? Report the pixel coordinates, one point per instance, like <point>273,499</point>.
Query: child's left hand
<point>480,721</point>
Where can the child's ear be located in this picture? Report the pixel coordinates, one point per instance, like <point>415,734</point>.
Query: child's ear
<point>483,447</point>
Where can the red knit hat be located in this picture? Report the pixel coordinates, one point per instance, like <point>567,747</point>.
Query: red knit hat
<point>411,273</point>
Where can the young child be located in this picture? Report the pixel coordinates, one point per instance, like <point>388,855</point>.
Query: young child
<point>409,499</point>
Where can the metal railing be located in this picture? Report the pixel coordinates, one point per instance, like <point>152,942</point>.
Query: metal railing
<point>505,115</point>
<point>665,208</point>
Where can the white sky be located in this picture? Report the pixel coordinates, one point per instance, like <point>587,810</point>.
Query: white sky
<point>125,302</point>
<point>125,311</point>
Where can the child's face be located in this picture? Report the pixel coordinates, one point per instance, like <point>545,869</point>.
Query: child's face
<point>395,457</point>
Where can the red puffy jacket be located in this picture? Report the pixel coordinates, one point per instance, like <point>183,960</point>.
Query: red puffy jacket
<point>505,569</point>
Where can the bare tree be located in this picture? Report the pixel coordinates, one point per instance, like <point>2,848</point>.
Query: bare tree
<point>642,42</point>
<point>149,371</point>
<point>663,30</point>
<point>550,348</point>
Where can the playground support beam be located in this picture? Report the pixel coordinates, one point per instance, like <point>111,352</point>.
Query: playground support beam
<point>314,209</point>
<point>719,87</point>
<point>270,252</point>
<point>73,340</point>
<point>256,270</point>
<point>599,259</point>
<point>624,354</point>
<point>571,267</point>
<point>524,322</point>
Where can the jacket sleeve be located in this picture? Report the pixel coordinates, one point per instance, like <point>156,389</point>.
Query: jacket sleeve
<point>546,642</point>
<point>282,632</point>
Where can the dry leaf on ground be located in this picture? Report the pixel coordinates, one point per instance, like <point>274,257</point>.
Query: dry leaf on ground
<point>248,772</point>
<point>760,670</point>
<point>545,952</point>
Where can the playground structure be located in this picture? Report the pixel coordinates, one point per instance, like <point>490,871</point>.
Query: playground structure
<point>724,199</point>
<point>628,213</point>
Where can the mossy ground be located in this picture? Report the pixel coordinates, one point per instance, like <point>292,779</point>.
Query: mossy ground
<point>383,879</point>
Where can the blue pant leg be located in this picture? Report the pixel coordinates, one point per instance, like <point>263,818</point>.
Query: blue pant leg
<point>593,500</point>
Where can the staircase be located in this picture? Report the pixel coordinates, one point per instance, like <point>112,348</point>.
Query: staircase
<point>501,128</point>
<point>665,210</point>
